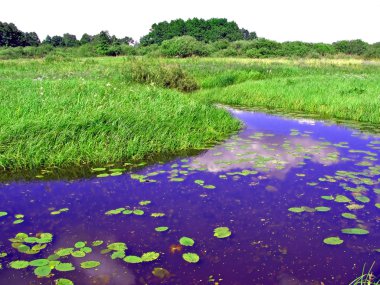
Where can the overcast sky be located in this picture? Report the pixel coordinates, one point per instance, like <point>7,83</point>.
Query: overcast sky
<point>281,20</point>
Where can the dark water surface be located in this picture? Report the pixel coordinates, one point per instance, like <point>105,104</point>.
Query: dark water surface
<point>246,184</point>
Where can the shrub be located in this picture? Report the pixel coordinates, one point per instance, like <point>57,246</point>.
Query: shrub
<point>163,75</point>
<point>183,47</point>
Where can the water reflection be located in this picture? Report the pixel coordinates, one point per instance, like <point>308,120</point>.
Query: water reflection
<point>246,183</point>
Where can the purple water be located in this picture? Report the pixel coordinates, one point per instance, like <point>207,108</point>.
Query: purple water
<point>275,163</point>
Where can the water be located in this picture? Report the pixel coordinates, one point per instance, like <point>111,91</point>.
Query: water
<point>247,184</point>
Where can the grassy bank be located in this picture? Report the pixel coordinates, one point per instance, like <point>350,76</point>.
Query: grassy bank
<point>69,113</point>
<point>64,112</point>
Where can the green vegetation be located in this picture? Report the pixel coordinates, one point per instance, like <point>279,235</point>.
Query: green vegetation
<point>61,112</point>
<point>178,38</point>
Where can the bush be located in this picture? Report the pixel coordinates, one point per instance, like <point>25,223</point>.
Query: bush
<point>183,47</point>
<point>163,75</point>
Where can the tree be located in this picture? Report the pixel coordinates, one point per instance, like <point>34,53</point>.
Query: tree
<point>355,47</point>
<point>69,40</point>
<point>86,38</point>
<point>202,30</point>
<point>31,39</point>
<point>57,41</point>
<point>11,36</point>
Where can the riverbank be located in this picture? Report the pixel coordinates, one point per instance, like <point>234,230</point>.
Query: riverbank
<point>70,112</point>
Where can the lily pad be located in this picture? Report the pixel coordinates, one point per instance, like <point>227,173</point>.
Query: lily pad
<point>186,241</point>
<point>342,199</point>
<point>2,214</point>
<point>97,243</point>
<point>89,264</point>
<point>64,267</point>
<point>222,232</point>
<point>190,257</point>
<point>80,244</point>
<point>322,209</point>
<point>161,272</point>
<point>333,241</point>
<point>63,281</point>
<point>349,216</point>
<point>296,209</point>
<point>39,262</point>
<point>355,231</point>
<point>150,256</point>
<point>133,259</point>
<point>42,271</point>
<point>19,264</point>
<point>161,229</point>
<point>78,253</point>
<point>138,212</point>
<point>117,246</point>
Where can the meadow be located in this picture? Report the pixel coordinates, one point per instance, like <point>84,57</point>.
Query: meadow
<point>66,112</point>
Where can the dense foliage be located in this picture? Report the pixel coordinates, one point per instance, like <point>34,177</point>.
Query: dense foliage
<point>11,36</point>
<point>202,30</point>
<point>178,38</point>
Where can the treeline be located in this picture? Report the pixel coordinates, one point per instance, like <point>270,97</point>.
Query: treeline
<point>202,30</point>
<point>178,38</point>
<point>102,43</point>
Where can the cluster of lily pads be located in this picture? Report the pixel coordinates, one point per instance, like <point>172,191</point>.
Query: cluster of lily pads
<point>19,218</point>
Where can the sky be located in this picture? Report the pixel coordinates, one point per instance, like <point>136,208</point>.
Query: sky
<point>280,20</point>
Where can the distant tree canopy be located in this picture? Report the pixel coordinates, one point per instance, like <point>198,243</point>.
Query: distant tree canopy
<point>202,30</point>
<point>11,36</point>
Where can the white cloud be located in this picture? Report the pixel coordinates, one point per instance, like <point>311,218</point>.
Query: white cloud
<point>282,20</point>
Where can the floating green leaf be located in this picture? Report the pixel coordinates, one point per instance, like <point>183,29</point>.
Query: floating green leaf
<point>161,272</point>
<point>64,267</point>
<point>150,256</point>
<point>342,199</point>
<point>97,243</point>
<point>222,232</point>
<point>80,244</point>
<point>349,216</point>
<point>117,246</point>
<point>19,264</point>
<point>362,199</point>
<point>42,271</point>
<point>118,254</point>
<point>328,198</point>
<point>138,212</point>
<point>144,203</point>
<point>186,241</point>
<point>89,264</point>
<point>64,251</point>
<point>333,241</point>
<point>355,231</point>
<point>63,281</point>
<point>161,229</point>
<point>133,259</point>
<point>296,209</point>
<point>78,253</point>
<point>190,257</point>
<point>39,262</point>
<point>2,214</point>
<point>322,209</point>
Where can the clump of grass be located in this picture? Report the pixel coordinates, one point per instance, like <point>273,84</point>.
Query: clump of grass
<point>366,278</point>
<point>167,75</point>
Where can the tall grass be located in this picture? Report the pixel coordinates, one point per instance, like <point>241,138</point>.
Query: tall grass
<point>65,114</point>
<point>366,278</point>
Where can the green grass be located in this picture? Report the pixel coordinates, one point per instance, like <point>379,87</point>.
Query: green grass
<point>70,113</point>
<point>65,112</point>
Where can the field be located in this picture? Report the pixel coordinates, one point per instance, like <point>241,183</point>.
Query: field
<point>67,112</point>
